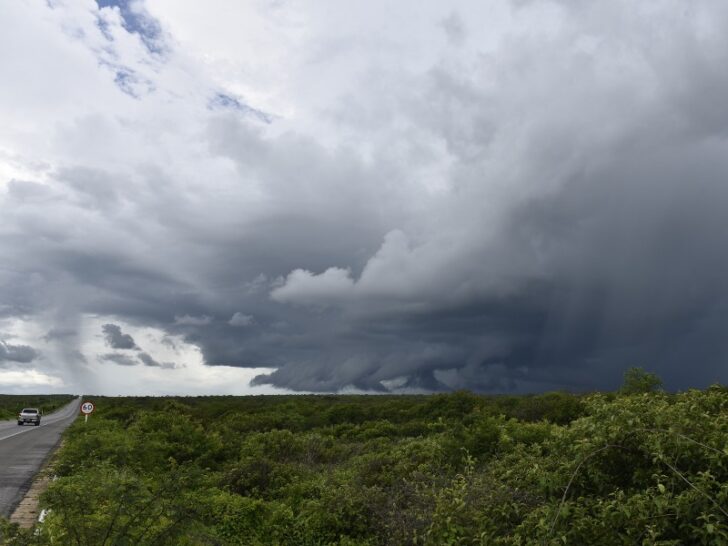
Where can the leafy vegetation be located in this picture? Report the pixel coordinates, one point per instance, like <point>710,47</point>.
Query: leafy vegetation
<point>11,404</point>
<point>451,469</point>
<point>638,381</point>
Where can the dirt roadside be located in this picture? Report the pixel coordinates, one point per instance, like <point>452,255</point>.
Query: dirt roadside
<point>27,512</point>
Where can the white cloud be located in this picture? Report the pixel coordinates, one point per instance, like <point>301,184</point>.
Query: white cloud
<point>305,287</point>
<point>28,378</point>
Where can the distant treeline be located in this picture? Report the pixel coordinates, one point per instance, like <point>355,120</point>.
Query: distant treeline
<point>11,404</point>
<point>635,467</point>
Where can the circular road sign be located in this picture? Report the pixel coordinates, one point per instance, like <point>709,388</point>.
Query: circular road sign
<point>87,408</point>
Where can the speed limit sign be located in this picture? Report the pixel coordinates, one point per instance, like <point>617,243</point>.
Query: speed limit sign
<point>87,408</point>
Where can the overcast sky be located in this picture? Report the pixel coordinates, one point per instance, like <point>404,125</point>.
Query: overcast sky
<point>270,196</point>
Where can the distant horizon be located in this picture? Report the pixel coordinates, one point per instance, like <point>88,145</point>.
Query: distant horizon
<point>369,393</point>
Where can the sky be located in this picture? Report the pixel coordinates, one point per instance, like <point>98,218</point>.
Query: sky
<point>268,196</point>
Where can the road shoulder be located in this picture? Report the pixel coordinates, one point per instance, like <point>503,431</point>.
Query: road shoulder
<point>27,512</point>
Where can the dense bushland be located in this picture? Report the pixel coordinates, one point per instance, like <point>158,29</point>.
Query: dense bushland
<point>11,404</point>
<point>645,468</point>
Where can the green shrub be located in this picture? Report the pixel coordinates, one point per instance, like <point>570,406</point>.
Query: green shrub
<point>639,381</point>
<point>648,468</point>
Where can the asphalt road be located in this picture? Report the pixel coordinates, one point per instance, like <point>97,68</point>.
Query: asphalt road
<point>23,450</point>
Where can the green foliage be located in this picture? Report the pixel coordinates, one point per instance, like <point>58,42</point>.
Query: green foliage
<point>103,503</point>
<point>639,381</point>
<point>452,469</point>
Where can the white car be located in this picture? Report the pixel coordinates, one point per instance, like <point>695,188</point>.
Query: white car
<point>30,415</point>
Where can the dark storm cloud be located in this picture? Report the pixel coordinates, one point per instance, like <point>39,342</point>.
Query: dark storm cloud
<point>17,353</point>
<point>120,359</point>
<point>149,361</point>
<point>619,264</point>
<point>538,216</point>
<point>116,339</point>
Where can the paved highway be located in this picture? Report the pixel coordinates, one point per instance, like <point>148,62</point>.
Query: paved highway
<point>23,450</point>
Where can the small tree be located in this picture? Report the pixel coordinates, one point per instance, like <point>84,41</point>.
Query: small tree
<point>637,381</point>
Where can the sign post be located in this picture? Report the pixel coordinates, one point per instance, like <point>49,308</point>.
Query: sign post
<point>87,408</point>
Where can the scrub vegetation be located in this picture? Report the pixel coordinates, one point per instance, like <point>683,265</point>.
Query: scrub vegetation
<point>11,404</point>
<point>639,466</point>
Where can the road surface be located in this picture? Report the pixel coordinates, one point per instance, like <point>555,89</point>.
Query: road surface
<point>23,450</point>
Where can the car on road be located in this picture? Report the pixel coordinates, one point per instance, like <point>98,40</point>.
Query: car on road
<point>30,415</point>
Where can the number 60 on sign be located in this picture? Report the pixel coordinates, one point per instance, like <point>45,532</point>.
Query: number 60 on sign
<point>87,409</point>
